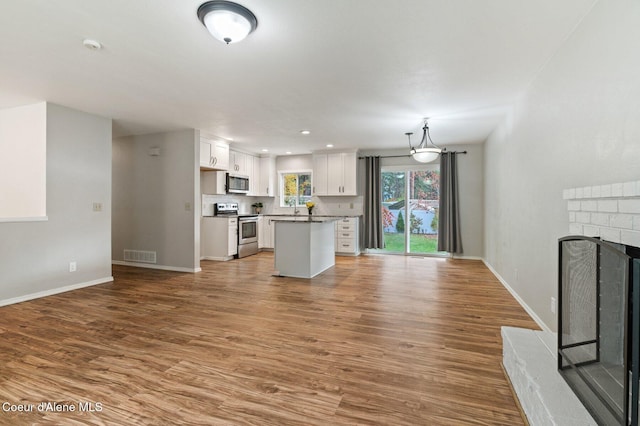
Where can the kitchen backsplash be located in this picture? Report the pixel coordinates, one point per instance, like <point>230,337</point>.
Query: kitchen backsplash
<point>348,206</point>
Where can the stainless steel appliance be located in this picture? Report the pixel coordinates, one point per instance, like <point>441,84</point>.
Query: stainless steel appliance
<point>247,235</point>
<point>221,209</point>
<point>237,184</point>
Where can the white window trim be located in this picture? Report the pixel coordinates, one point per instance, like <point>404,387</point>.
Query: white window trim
<point>281,185</point>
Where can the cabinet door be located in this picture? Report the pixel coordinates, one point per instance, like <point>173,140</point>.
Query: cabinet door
<point>205,154</point>
<point>267,232</point>
<point>232,242</point>
<point>320,172</point>
<point>237,162</point>
<point>253,164</point>
<point>220,155</point>
<point>349,173</point>
<point>272,231</point>
<point>266,187</point>
<point>335,174</point>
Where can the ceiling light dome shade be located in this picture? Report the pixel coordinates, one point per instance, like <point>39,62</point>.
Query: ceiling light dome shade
<point>425,155</point>
<point>227,21</point>
<point>427,151</point>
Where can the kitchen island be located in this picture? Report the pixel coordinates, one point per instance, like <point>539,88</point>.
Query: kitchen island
<point>304,248</point>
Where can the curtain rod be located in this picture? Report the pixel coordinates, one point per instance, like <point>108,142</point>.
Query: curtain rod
<point>409,155</point>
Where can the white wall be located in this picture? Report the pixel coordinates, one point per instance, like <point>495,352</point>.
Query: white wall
<point>576,125</point>
<point>23,162</point>
<point>470,176</point>
<point>35,256</point>
<point>156,199</point>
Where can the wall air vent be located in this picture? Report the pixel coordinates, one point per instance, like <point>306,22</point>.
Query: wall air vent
<point>139,256</point>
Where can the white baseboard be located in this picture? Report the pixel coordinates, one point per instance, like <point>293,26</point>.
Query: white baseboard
<point>516,296</point>
<point>153,266</point>
<point>54,291</point>
<point>217,258</point>
<point>467,257</point>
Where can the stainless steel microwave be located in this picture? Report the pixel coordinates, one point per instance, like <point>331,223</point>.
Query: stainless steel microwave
<point>237,184</point>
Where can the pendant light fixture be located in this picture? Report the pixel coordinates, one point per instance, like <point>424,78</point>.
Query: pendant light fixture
<point>227,21</point>
<point>427,151</point>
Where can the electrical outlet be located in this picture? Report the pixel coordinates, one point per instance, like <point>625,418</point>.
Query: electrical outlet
<point>73,267</point>
<point>187,206</point>
<point>553,305</point>
<point>97,207</point>
<point>351,206</point>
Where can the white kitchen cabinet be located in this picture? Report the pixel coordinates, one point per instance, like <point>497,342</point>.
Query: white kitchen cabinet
<point>221,155</point>
<point>347,236</point>
<point>218,238</point>
<point>238,163</point>
<point>254,182</point>
<point>214,155</point>
<point>248,165</point>
<point>320,174</point>
<point>335,173</point>
<point>266,177</point>
<point>214,182</point>
<point>265,239</point>
<point>206,151</point>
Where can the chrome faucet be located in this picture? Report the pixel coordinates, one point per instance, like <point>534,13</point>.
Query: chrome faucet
<point>296,211</point>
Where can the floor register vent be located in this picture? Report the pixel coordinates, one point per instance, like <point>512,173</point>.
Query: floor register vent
<point>139,256</point>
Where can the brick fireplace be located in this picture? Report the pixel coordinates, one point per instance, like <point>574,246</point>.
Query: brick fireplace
<point>599,300</point>
<point>610,212</point>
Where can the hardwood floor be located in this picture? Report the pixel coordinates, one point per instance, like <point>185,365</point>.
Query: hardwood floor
<point>386,340</point>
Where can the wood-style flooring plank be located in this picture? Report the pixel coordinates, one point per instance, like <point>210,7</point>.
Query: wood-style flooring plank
<point>377,340</point>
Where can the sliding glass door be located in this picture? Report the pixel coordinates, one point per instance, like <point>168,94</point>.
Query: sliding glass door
<point>411,199</point>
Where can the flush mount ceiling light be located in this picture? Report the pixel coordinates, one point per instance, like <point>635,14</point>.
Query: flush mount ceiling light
<point>227,21</point>
<point>425,152</point>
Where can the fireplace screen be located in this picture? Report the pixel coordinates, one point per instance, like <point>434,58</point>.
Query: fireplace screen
<point>598,327</point>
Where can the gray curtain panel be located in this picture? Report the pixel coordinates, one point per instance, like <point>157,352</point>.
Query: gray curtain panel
<point>373,232</point>
<point>449,235</point>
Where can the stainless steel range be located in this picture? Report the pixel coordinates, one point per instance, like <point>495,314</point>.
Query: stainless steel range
<point>247,235</point>
<point>247,228</point>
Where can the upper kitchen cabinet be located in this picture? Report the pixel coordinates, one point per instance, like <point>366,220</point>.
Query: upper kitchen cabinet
<point>266,177</point>
<point>214,155</point>
<point>240,163</point>
<point>335,173</point>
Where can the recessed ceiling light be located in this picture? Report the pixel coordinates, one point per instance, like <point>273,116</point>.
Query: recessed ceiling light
<point>91,44</point>
<point>305,132</point>
<point>329,145</point>
<point>265,150</point>
<point>288,152</point>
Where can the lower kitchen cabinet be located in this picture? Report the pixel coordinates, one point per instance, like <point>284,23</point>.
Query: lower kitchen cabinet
<point>347,237</point>
<point>218,238</point>
<point>265,233</point>
<point>347,240</point>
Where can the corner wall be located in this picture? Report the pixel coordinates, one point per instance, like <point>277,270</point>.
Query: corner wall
<point>156,200</point>
<point>576,125</point>
<point>35,256</point>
